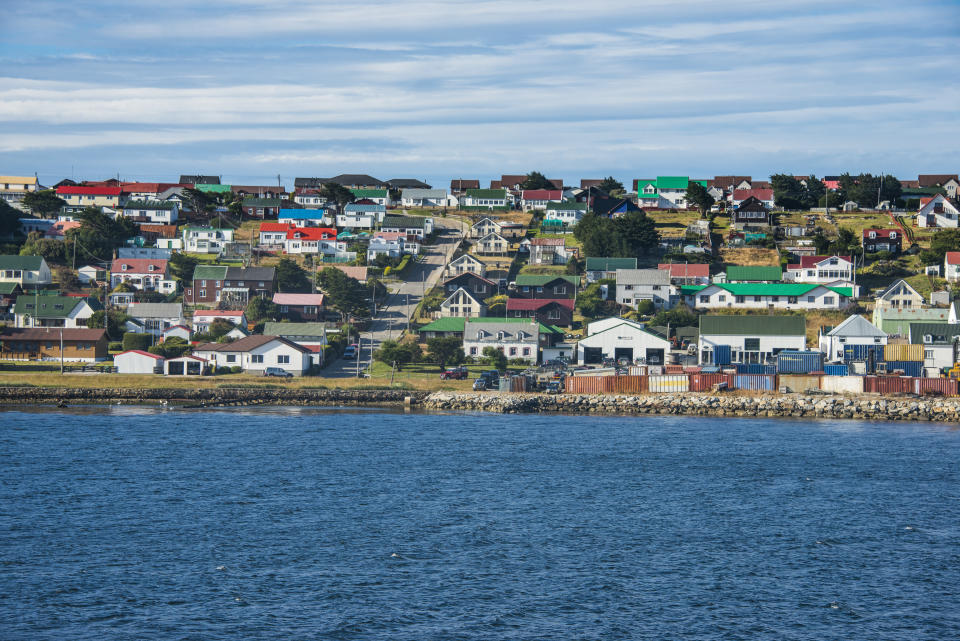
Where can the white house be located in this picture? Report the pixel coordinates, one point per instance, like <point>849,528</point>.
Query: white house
<point>408,225</point>
<point>378,211</point>
<point>550,251</point>
<point>47,310</point>
<point>900,295</point>
<point>519,339</point>
<point>749,339</point>
<point>383,247</point>
<point>619,338</point>
<point>462,303</point>
<point>941,343</point>
<point>569,213</point>
<point>156,317</point>
<point>424,198</point>
<point>938,212</point>
<point>766,296</point>
<point>313,240</point>
<point>538,199</point>
<point>487,198</point>
<point>312,336</point>
<point>350,220</point>
<point>492,244</point>
<point>204,318</point>
<point>186,365</point>
<point>635,285</point>
<point>177,331</point>
<point>206,240</point>
<point>152,211</point>
<point>464,264</point>
<point>91,275</point>
<point>951,266</point>
<point>274,234</point>
<point>855,330</point>
<point>137,361</point>
<point>147,274</point>
<point>254,354</point>
<point>305,217</point>
<point>26,271</point>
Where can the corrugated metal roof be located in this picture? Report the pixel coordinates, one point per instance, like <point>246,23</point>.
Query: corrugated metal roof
<point>746,325</point>
<point>754,272</point>
<point>539,280</point>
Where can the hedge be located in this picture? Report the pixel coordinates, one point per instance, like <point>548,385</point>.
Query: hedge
<point>132,340</point>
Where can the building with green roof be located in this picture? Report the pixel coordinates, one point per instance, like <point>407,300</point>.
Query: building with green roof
<point>665,191</point>
<point>54,311</point>
<point>740,338</point>
<point>26,271</point>
<point>598,268</point>
<point>487,199</point>
<point>754,274</point>
<point>783,296</point>
<point>377,196</point>
<point>454,326</point>
<point>213,189</point>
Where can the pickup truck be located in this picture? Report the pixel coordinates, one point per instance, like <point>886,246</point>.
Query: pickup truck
<point>454,373</point>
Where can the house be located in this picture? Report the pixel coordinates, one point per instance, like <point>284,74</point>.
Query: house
<point>825,270</point>
<point>254,354</point>
<point>487,199</point>
<point>49,310</point>
<point>895,321</point>
<point>161,236</point>
<point>58,230</point>
<point>311,336</point>
<point>635,285</point>
<point>176,331</point>
<point>44,344</point>
<point>137,361</point>
<point>668,189</point>
<point>350,181</point>
<point>647,196</point>
<point>357,272</point>
<point>566,212</point>
<point>459,187</point>
<point>261,207</point>
<point>492,244</point>
<point>151,211</point>
<point>940,343</point>
<point>619,338</point>
<point>887,240</point>
<point>938,211</point>
<point>855,330</point>
<point>186,365</point>
<point>484,227</point>
<point>313,240</point>
<point>557,312</point>
<point>155,318</point>
<point>750,213</point>
<point>477,286</point>
<point>948,182</point>
<point>14,188</point>
<point>516,338</point>
<point>754,274</point>
<point>550,286</point>
<point>766,296</point>
<point>951,267</point>
<point>8,298</point>
<point>274,234</point>
<point>464,264</point>
<point>362,212</point>
<point>687,273</point>
<point>85,196</point>
<point>613,207</point>
<point>195,180</point>
<point>732,183</point>
<point>408,225</point>
<point>763,196</point>
<point>144,252</point>
<point>354,220</point>
<point>147,274</point>
<point>232,286</point>
<point>446,327</point>
<point>463,303</point>
<point>399,184</point>
<point>309,197</point>
<point>204,318</point>
<point>391,248</point>
<point>206,240</point>
<point>538,199</point>
<point>550,251</point>
<point>260,191</point>
<point>598,268</point>
<point>375,196</point>
<point>26,271</point>
<point>305,217</point>
<point>424,198</point>
<point>300,308</point>
<point>900,294</point>
<point>725,340</point>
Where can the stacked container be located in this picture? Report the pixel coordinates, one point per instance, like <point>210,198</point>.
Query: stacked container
<point>796,362</point>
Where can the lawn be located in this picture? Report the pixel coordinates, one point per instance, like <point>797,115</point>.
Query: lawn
<point>750,256</point>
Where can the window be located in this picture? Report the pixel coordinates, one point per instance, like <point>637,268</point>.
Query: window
<point>202,293</point>
<point>811,299</point>
<point>876,340</point>
<point>739,299</point>
<point>554,314</point>
<point>231,358</point>
<point>539,290</point>
<point>704,299</point>
<point>256,358</point>
<point>526,351</point>
<point>513,351</point>
<point>284,309</point>
<point>721,298</point>
<point>928,353</point>
<point>560,289</point>
<point>203,283</point>
<point>751,344</point>
<point>283,359</point>
<point>828,300</point>
<point>792,300</point>
<point>473,351</point>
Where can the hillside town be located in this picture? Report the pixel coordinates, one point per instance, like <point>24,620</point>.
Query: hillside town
<point>678,283</point>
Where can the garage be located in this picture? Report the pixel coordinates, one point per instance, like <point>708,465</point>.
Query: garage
<point>625,339</point>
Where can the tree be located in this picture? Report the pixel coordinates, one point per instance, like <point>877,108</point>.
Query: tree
<point>290,278</point>
<point>394,352</point>
<point>115,323</point>
<point>698,196</point>
<point>182,266</point>
<point>337,193</point>
<point>260,309</point>
<point>43,203</point>
<point>495,357</point>
<point>172,347</point>
<point>943,241</point>
<point>610,185</point>
<point>536,180</point>
<point>496,306</point>
<point>67,279</point>
<point>200,202</point>
<point>679,316</point>
<point>446,351</point>
<point>9,220</point>
<point>346,294</point>
<point>53,251</point>
<point>636,234</point>
<point>787,191</point>
<point>133,340</point>
<point>99,235</point>
<point>813,192</point>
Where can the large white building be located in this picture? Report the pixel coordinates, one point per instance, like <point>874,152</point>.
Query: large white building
<point>938,212</point>
<point>786,296</point>
<point>749,339</point>
<point>619,338</point>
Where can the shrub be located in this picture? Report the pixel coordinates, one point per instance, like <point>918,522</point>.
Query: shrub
<point>115,346</point>
<point>132,340</point>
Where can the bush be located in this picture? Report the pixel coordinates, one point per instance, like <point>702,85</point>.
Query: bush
<point>115,346</point>
<point>645,307</point>
<point>132,340</point>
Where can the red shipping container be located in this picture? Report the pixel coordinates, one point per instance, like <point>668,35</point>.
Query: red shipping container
<point>705,382</point>
<point>888,384</point>
<point>692,370</point>
<point>630,384</point>
<point>935,386</point>
<point>589,384</point>
<point>673,369</point>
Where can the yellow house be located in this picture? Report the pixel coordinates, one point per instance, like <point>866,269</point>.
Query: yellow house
<point>14,188</point>
<point>83,196</point>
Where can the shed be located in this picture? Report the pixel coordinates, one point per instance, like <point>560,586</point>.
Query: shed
<point>137,361</point>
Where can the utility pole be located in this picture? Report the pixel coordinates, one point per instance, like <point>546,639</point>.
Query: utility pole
<point>61,350</point>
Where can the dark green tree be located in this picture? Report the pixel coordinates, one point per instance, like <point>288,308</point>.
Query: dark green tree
<point>943,241</point>
<point>200,202</point>
<point>9,221</point>
<point>679,316</point>
<point>446,351</point>
<point>172,347</point>
<point>99,235</point>
<point>536,180</point>
<point>394,352</point>
<point>495,357</point>
<point>699,197</point>
<point>337,193</point>
<point>346,294</point>
<point>43,203</point>
<point>53,251</point>
<point>610,185</point>
<point>290,278</point>
<point>182,266</point>
<point>813,192</point>
<point>115,323</point>
<point>636,234</point>
<point>787,191</point>
<point>260,309</point>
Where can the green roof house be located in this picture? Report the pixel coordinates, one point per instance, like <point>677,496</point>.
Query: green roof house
<point>487,199</point>
<point>376,196</point>
<point>26,271</point>
<point>54,311</point>
<point>766,296</point>
<point>725,340</point>
<point>665,192</point>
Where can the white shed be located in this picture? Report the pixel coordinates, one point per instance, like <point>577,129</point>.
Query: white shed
<point>136,361</point>
<point>624,340</point>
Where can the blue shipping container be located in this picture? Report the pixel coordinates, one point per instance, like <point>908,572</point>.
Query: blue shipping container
<point>709,369</point>
<point>869,353</point>
<point>795,362</point>
<point>755,382</point>
<point>721,355</point>
<point>910,368</point>
<point>755,368</point>
<point>836,370</point>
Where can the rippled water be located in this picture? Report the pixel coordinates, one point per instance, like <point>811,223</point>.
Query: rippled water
<point>120,523</point>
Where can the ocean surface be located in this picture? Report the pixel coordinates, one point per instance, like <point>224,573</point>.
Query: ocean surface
<point>292,523</point>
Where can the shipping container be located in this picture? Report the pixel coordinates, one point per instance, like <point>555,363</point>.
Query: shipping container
<point>836,370</point>
<point>669,383</point>
<point>842,384</point>
<point>909,368</point>
<point>605,371</point>
<point>796,362</point>
<point>654,370</point>
<point>589,384</point>
<point>721,355</point>
<point>903,353</point>
<point>513,384</point>
<point>888,384</point>
<point>637,370</point>
<point>673,369</point>
<point>765,382</point>
<point>692,370</point>
<point>798,383</point>
<point>869,354</point>
<point>756,368</point>
<point>706,382</point>
<point>858,367</point>
<point>710,369</point>
<point>629,384</point>
<point>935,386</point>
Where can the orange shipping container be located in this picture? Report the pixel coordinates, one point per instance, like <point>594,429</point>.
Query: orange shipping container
<point>705,382</point>
<point>939,386</point>
<point>629,384</point>
<point>589,384</point>
<point>888,384</point>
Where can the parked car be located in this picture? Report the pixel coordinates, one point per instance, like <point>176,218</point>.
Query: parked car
<point>350,351</point>
<point>480,384</point>
<point>454,373</point>
<point>277,371</point>
<point>553,387</point>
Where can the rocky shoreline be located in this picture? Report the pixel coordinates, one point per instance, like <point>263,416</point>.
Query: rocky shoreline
<point>867,407</point>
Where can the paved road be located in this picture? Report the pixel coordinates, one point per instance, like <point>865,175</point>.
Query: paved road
<point>392,318</point>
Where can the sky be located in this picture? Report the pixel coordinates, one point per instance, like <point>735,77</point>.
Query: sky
<point>251,90</point>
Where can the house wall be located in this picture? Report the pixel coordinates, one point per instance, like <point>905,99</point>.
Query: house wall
<point>767,345</point>
<point>713,298</point>
<point>49,350</point>
<point>632,294</point>
<point>623,337</point>
<point>23,277</point>
<point>133,363</point>
<point>528,351</point>
<point>268,355</point>
<point>461,304</point>
<point>548,315</point>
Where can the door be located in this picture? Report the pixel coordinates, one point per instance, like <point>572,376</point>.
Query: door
<point>592,355</point>
<point>654,357</point>
<point>623,352</point>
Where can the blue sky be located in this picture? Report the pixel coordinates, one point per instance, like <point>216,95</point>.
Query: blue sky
<point>474,89</point>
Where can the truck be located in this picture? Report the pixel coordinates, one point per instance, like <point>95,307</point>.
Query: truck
<point>454,373</point>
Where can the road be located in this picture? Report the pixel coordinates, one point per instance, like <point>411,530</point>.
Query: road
<point>394,315</point>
